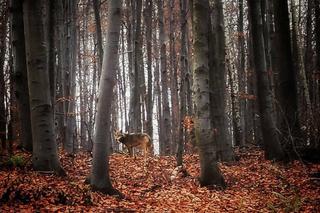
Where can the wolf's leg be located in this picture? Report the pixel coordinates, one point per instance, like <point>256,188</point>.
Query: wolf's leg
<point>130,149</point>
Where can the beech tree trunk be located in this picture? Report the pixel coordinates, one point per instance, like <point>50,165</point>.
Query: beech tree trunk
<point>3,48</point>
<point>166,133</point>
<point>289,122</point>
<point>20,74</point>
<point>149,102</point>
<point>173,80</point>
<point>136,69</point>
<point>205,135</point>
<point>241,77</point>
<point>273,150</point>
<point>44,155</point>
<point>96,10</point>
<point>100,179</point>
<point>218,83</point>
<point>183,79</point>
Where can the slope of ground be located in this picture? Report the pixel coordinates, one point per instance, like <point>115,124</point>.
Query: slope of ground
<point>254,185</point>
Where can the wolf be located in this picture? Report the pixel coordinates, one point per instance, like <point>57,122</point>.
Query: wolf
<point>141,141</point>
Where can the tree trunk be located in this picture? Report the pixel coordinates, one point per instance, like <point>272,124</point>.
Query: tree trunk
<point>183,76</point>
<point>301,73</point>
<point>218,83</point>
<point>123,81</point>
<point>317,38</point>
<point>236,131</point>
<point>173,79</point>
<point>289,122</point>
<point>316,87</point>
<point>149,103</point>
<point>251,135</point>
<point>309,52</point>
<point>136,73</point>
<point>69,40</point>
<point>20,74</point>
<point>166,134</point>
<point>3,47</point>
<point>205,135</point>
<point>157,89</point>
<point>241,77</point>
<point>139,69</point>
<point>273,150</point>
<point>44,155</point>
<point>100,179</point>
<point>96,10</point>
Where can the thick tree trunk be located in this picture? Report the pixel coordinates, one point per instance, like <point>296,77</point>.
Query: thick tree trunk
<point>100,179</point>
<point>44,156</point>
<point>20,74</point>
<point>289,122</point>
<point>70,74</point>
<point>218,84</point>
<point>273,150</point>
<point>205,134</point>
<point>136,72</point>
<point>166,133</point>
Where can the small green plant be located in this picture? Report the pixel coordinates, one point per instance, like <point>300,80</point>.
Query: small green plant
<point>17,161</point>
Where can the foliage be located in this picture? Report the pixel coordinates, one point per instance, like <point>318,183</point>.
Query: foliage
<point>254,185</point>
<point>17,161</point>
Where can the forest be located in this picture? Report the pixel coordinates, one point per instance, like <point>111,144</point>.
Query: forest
<point>159,106</point>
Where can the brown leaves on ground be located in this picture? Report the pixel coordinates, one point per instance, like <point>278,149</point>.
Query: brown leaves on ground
<point>254,185</point>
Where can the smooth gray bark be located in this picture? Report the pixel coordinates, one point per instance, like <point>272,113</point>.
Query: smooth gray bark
<point>205,135</point>
<point>218,84</point>
<point>166,133</point>
<point>100,179</point>
<point>44,155</point>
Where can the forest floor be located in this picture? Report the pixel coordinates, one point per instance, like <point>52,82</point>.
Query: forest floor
<point>254,185</point>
